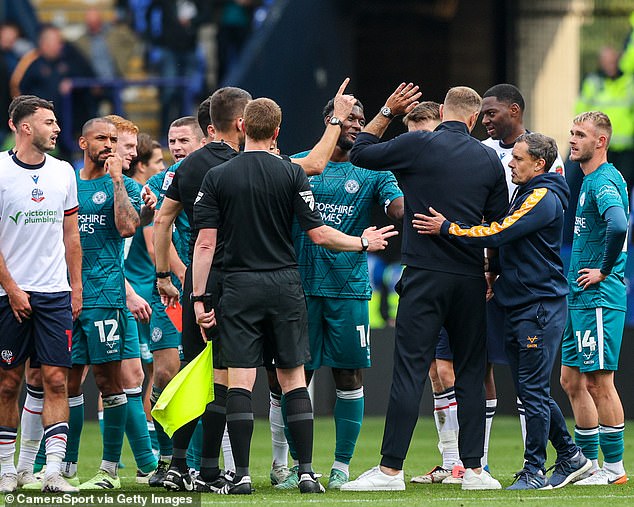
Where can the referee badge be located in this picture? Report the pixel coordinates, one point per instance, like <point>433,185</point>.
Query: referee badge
<point>309,198</point>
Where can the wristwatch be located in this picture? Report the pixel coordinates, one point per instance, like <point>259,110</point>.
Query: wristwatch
<point>364,243</point>
<point>202,298</point>
<point>163,274</point>
<point>335,121</point>
<point>387,112</point>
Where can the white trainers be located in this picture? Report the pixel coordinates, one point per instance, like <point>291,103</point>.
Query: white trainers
<point>26,477</point>
<point>483,480</point>
<point>57,484</point>
<point>602,478</point>
<point>375,480</point>
<point>8,483</point>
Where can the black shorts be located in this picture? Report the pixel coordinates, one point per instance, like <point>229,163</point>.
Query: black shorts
<point>192,340</point>
<point>45,338</point>
<point>261,307</point>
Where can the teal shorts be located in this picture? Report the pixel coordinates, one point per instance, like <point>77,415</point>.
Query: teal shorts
<point>131,346</point>
<point>339,333</point>
<point>592,339</point>
<point>99,335</point>
<point>163,334</point>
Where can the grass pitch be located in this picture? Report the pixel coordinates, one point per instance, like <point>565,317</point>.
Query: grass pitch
<point>505,458</point>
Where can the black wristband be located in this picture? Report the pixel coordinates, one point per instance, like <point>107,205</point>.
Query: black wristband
<point>202,298</point>
<point>163,274</point>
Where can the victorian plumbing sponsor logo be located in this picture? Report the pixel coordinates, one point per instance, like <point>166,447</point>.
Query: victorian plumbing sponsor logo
<point>45,216</point>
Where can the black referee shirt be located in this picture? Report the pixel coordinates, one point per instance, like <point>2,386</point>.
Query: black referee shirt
<point>188,179</point>
<point>253,199</point>
<point>450,171</point>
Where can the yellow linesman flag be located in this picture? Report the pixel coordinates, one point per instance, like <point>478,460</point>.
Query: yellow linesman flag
<point>187,394</point>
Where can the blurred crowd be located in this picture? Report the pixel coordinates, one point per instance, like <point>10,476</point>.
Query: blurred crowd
<point>40,59</point>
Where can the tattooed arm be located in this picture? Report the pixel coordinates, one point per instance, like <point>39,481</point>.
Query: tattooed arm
<point>126,218</point>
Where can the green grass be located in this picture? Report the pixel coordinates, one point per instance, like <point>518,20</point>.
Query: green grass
<point>505,458</point>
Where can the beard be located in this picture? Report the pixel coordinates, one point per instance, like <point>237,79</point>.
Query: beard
<point>345,143</point>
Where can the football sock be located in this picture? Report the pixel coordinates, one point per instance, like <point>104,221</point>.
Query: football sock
<point>348,415</point>
<point>115,410</point>
<point>214,420</point>
<point>490,413</point>
<point>8,436</point>
<point>611,443</point>
<point>56,436</point>
<point>75,425</point>
<point>299,414</point>
<point>278,438</point>
<point>164,442</point>
<point>31,429</point>
<point>137,432</point>
<point>240,426</point>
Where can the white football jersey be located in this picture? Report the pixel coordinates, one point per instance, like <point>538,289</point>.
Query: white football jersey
<point>504,151</point>
<point>34,199</point>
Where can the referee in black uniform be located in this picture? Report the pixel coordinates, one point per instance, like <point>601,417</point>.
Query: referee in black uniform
<point>443,282</point>
<point>226,109</point>
<point>253,198</point>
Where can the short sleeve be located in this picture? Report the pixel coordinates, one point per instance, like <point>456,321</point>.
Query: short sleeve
<point>132,188</point>
<point>304,202</point>
<point>387,189</point>
<point>206,206</point>
<point>71,204</point>
<point>173,189</point>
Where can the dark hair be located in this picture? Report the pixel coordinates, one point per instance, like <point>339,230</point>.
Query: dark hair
<point>100,119</point>
<point>14,103</point>
<point>226,105</point>
<point>261,118</point>
<point>204,115</point>
<point>540,146</point>
<point>27,107</point>
<point>330,107</point>
<point>506,93</point>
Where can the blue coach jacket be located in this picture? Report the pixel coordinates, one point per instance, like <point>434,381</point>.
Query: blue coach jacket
<point>529,241</point>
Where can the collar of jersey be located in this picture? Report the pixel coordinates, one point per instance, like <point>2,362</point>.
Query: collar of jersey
<point>27,166</point>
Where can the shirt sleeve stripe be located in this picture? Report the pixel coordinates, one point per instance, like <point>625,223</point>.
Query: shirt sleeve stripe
<point>71,211</point>
<point>495,227</point>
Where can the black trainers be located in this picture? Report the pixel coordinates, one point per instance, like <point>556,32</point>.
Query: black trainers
<point>308,484</point>
<point>157,478</point>
<point>178,481</point>
<point>201,486</point>
<point>242,487</point>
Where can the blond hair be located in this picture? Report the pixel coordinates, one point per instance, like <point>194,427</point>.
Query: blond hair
<point>599,120</point>
<point>463,101</point>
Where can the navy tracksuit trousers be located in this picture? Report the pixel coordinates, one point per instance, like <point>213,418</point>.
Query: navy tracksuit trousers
<point>533,336</point>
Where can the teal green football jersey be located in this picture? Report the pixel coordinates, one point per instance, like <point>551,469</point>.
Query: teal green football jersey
<point>344,196</point>
<point>101,243</point>
<point>138,266</point>
<point>601,189</point>
<point>159,183</point>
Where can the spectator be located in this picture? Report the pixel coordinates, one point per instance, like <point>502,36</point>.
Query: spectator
<point>173,30</point>
<point>611,91</point>
<point>12,45</point>
<point>108,47</point>
<point>47,72</point>
<point>234,28</point>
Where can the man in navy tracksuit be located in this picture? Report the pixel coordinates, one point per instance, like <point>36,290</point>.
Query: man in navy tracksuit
<point>532,290</point>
